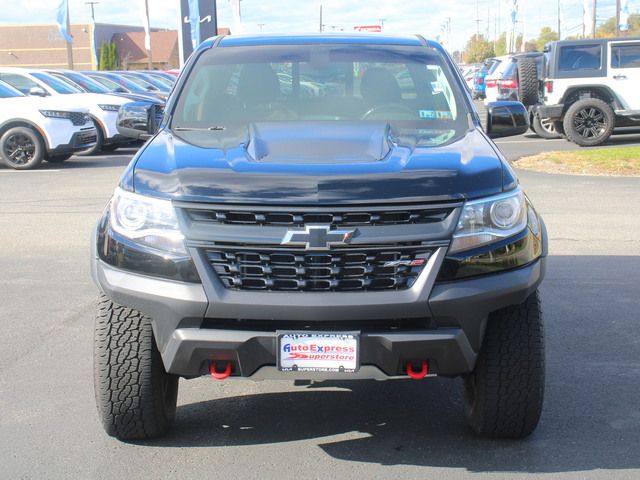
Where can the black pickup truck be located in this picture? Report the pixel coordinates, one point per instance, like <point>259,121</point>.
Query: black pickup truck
<point>320,207</point>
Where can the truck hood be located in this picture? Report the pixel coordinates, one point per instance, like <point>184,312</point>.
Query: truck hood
<point>362,163</point>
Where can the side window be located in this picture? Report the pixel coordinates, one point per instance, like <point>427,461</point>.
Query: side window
<point>625,56</point>
<point>19,82</point>
<point>580,57</point>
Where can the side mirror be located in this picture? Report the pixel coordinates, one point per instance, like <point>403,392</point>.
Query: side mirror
<point>38,92</point>
<point>138,120</point>
<point>505,119</point>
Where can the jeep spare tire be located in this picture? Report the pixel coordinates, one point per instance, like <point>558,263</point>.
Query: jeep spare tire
<point>527,81</point>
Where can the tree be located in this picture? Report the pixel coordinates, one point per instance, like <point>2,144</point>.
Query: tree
<point>608,28</point>
<point>478,49</point>
<point>501,45</point>
<point>109,56</point>
<point>546,35</point>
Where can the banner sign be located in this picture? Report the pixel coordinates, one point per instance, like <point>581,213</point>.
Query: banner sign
<point>196,24</point>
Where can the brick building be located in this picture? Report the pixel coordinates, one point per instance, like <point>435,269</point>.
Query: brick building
<point>42,46</point>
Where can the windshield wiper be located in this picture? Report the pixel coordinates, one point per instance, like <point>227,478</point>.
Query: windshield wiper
<point>215,128</point>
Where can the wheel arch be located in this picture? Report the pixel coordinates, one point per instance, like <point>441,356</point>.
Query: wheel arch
<point>21,122</point>
<point>602,92</point>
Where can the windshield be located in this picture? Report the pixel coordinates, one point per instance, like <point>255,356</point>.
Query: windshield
<point>7,91</point>
<point>55,83</point>
<point>410,88</point>
<point>140,82</point>
<point>156,82</point>
<point>123,82</point>
<point>89,84</point>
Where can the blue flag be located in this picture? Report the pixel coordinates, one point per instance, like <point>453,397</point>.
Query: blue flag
<point>194,21</point>
<point>62,19</point>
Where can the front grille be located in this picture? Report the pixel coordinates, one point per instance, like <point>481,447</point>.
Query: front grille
<point>362,325</point>
<point>78,118</point>
<point>411,215</point>
<point>352,269</point>
<point>85,138</point>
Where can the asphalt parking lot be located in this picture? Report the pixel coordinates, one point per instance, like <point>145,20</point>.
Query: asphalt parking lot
<point>590,426</point>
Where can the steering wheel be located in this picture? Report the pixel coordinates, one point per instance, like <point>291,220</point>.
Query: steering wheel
<point>388,108</point>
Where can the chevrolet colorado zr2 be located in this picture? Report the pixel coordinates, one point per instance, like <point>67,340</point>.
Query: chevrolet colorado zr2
<point>319,207</point>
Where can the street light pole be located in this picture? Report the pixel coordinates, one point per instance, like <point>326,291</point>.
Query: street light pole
<point>69,46</point>
<point>91,4</point>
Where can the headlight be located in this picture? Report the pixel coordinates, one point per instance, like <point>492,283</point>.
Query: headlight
<point>55,114</point>
<point>110,108</point>
<point>490,219</point>
<point>148,221</point>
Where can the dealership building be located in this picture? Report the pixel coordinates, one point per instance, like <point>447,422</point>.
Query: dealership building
<point>42,46</point>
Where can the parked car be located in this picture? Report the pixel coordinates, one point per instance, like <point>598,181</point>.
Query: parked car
<point>479,87</point>
<point>34,129</point>
<point>102,108</point>
<point>89,85</point>
<point>375,234</point>
<point>521,81</point>
<point>157,83</point>
<point>591,87</point>
<point>498,66</point>
<point>113,80</point>
<point>159,73</point>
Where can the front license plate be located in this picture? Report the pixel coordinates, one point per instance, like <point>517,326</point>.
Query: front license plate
<point>318,351</point>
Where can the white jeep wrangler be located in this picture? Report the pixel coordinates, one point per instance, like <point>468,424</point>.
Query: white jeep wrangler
<point>591,86</point>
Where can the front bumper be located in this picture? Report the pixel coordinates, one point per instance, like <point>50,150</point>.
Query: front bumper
<point>456,314</point>
<point>80,140</point>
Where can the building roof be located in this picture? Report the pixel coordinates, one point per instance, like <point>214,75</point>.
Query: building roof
<point>131,46</point>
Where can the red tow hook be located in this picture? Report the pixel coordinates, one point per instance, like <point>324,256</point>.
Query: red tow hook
<point>219,375</point>
<point>417,375</point>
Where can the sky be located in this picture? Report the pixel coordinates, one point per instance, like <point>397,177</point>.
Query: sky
<point>425,17</point>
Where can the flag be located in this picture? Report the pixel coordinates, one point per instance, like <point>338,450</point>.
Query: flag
<point>144,12</point>
<point>194,21</point>
<point>235,11</point>
<point>624,16</point>
<point>62,19</point>
<point>587,18</point>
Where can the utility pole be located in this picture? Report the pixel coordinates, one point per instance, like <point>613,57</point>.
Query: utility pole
<point>617,18</point>
<point>559,31</point>
<point>477,20</point>
<point>593,13</point>
<point>320,17</point>
<point>69,46</point>
<point>91,4</point>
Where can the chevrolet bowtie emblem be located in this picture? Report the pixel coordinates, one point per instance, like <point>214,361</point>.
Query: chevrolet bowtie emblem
<point>317,237</point>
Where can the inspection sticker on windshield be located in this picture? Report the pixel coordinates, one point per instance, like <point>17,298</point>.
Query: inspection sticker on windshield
<point>435,114</point>
<point>318,351</point>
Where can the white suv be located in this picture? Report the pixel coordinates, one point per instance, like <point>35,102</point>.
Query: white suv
<point>102,108</point>
<point>591,87</point>
<point>37,129</point>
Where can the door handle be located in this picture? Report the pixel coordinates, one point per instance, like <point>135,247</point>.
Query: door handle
<point>619,77</point>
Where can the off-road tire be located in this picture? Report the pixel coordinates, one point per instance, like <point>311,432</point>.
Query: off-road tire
<point>527,81</point>
<point>97,148</point>
<point>136,398</point>
<point>503,395</point>
<point>544,128</point>
<point>589,106</point>
<point>22,148</point>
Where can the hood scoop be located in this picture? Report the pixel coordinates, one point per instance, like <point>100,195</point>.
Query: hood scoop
<point>318,142</point>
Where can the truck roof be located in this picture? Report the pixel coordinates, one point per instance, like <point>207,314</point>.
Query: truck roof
<point>324,38</point>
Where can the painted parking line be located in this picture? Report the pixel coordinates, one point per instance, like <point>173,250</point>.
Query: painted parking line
<point>31,171</point>
<point>532,141</point>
